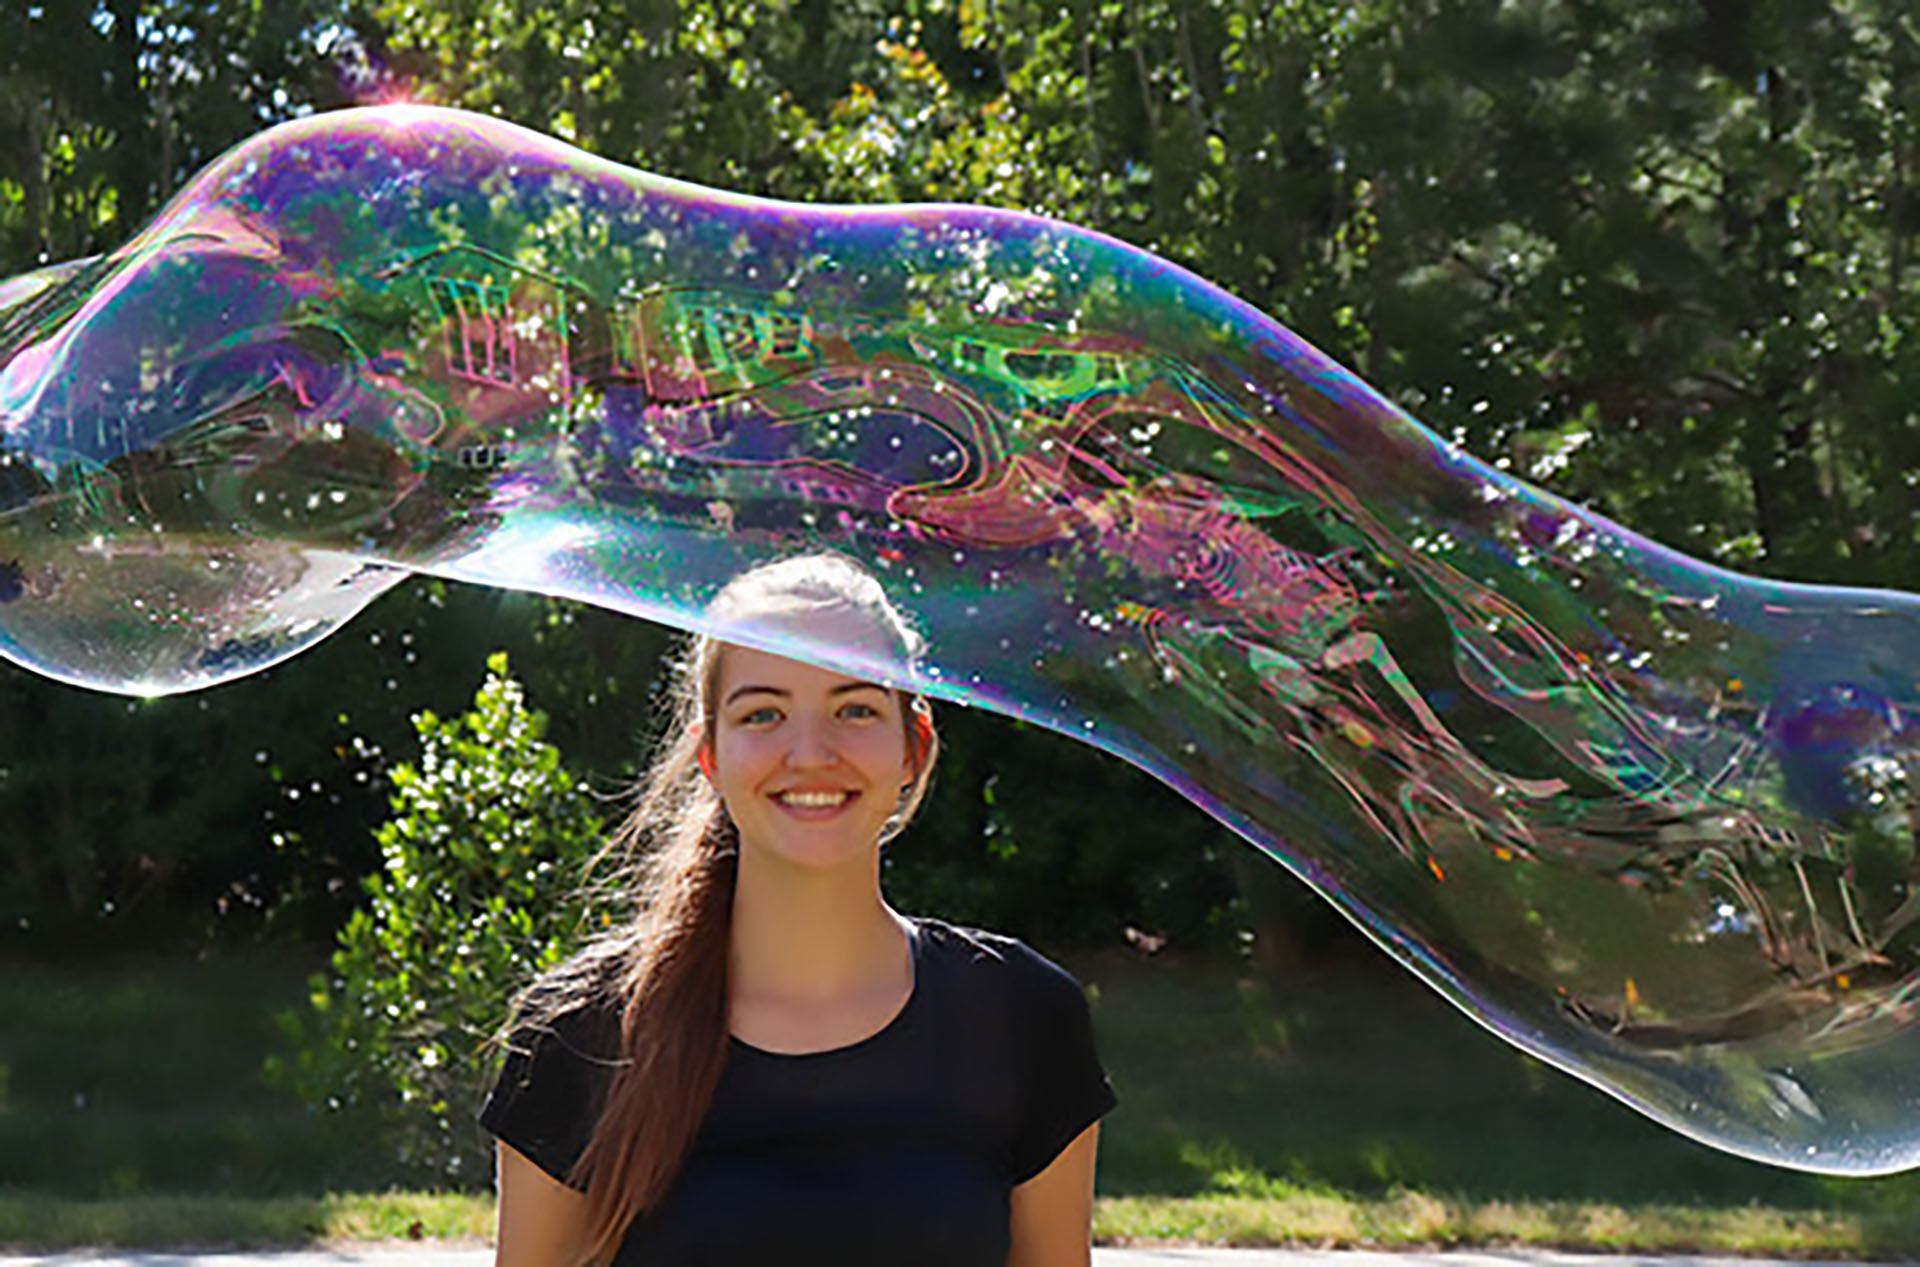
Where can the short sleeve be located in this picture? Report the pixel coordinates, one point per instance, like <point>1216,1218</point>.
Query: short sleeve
<point>1066,1088</point>
<point>551,1088</point>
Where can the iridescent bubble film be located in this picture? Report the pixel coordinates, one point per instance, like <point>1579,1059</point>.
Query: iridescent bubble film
<point>1647,819</point>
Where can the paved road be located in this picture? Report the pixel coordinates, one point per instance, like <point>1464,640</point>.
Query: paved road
<point>441,1257</point>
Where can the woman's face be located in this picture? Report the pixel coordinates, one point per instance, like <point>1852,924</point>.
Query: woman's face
<point>809,762</point>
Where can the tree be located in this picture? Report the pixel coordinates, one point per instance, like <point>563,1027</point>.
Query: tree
<point>106,107</point>
<point>1657,258</point>
<point>480,888</point>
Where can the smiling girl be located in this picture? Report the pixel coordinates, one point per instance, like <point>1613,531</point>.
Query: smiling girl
<point>770,1065</point>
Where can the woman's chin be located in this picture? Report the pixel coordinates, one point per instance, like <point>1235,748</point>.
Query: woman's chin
<point>827,849</point>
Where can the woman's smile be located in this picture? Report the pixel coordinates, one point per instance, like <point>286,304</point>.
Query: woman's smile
<point>814,804</point>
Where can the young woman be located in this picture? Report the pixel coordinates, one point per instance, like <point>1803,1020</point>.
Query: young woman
<point>771,1067</point>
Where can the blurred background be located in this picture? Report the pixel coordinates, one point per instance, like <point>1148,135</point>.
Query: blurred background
<point>1657,257</point>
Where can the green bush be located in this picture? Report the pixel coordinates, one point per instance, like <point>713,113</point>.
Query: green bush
<point>480,890</point>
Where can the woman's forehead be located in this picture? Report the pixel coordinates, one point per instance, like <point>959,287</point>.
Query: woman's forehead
<point>748,666</point>
<point>837,632</point>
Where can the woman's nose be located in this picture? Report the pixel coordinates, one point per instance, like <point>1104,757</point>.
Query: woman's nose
<point>811,746</point>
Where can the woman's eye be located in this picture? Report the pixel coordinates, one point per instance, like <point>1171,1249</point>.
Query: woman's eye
<point>759,717</point>
<point>860,712</point>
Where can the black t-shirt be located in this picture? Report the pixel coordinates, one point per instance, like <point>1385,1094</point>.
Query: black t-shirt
<point>900,1148</point>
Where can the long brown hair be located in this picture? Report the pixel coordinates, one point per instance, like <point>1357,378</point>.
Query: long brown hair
<point>679,854</point>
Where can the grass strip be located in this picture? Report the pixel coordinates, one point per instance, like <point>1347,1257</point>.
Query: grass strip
<point>34,1222</point>
<point>1408,1220</point>
<point>1328,1219</point>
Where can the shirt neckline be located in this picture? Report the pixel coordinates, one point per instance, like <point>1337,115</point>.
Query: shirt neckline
<point>916,941</point>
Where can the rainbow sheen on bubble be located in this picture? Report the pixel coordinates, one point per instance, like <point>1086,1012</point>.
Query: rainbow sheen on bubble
<point>1648,819</point>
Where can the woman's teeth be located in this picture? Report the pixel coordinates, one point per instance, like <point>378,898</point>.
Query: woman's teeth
<point>813,800</point>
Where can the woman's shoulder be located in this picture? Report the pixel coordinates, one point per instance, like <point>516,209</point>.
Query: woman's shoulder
<point>998,955</point>
<point>575,1004</point>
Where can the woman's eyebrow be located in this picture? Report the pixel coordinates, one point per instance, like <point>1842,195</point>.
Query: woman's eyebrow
<point>755,689</point>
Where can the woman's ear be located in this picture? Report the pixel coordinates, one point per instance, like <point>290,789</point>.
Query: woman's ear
<point>919,734</point>
<point>703,751</point>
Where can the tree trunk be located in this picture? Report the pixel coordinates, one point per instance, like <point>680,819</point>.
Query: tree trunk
<point>133,152</point>
<point>34,172</point>
<point>1273,901</point>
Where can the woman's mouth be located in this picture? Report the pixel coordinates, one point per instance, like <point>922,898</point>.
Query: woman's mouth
<point>812,800</point>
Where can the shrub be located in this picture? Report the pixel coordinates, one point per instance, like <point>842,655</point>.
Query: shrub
<point>480,890</point>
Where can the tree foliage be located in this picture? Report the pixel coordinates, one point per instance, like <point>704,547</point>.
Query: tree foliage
<point>1655,256</point>
<point>480,885</point>
<point>106,107</point>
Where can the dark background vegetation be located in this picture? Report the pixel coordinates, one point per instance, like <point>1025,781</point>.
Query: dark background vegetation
<point>1657,257</point>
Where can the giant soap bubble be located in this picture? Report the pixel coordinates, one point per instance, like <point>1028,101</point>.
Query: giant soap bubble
<point>1647,819</point>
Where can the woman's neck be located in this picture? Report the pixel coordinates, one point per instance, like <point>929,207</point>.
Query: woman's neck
<point>799,936</point>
